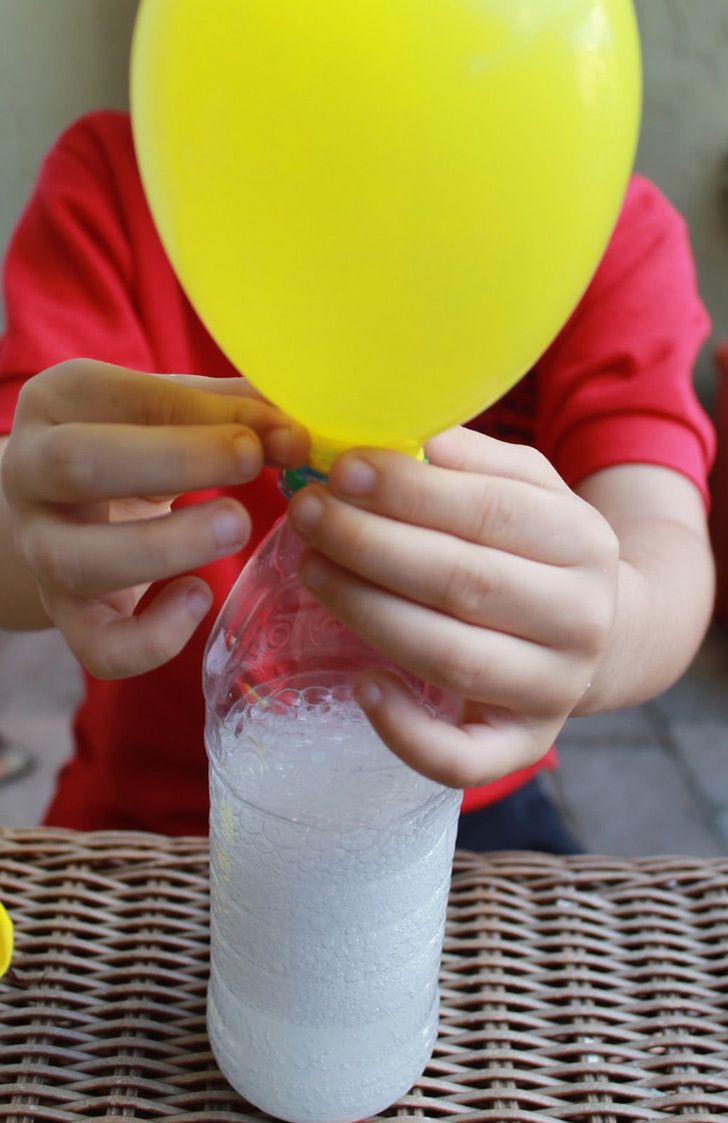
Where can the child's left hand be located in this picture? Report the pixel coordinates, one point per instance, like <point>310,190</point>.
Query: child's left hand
<point>480,572</point>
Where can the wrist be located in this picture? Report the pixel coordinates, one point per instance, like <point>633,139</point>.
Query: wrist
<point>618,677</point>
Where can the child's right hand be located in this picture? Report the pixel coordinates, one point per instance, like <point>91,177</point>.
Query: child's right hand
<point>96,456</point>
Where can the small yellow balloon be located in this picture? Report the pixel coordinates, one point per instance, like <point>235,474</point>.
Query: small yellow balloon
<point>6,940</point>
<point>384,210</point>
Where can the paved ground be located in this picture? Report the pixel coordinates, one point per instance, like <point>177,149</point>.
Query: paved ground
<point>653,779</point>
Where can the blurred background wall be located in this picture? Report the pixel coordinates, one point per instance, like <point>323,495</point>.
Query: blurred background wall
<point>684,141</point>
<point>59,58</point>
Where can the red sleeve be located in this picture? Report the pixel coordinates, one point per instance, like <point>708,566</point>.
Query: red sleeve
<point>615,387</point>
<point>68,277</point>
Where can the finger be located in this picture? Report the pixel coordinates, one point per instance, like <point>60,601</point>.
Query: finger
<point>470,662</point>
<point>475,584</point>
<point>111,646</point>
<point>81,462</point>
<point>238,386</point>
<point>90,559</point>
<point>465,450</point>
<point>459,757</point>
<point>83,390</point>
<point>286,443</point>
<point>507,514</point>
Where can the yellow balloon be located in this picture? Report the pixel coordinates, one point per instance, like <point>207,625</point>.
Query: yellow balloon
<point>6,940</point>
<point>384,210</point>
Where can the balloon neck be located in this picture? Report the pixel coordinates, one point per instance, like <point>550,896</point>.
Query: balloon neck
<point>324,451</point>
<point>292,480</point>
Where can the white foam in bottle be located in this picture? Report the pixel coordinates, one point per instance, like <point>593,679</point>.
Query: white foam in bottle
<point>330,870</point>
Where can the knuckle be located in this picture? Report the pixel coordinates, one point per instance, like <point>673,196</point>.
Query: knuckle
<point>104,665</point>
<point>24,540</point>
<point>457,671</point>
<point>156,648</point>
<point>239,449</point>
<point>36,549</point>
<point>68,368</point>
<point>607,544</point>
<point>465,588</point>
<point>159,552</point>
<point>112,661</point>
<point>28,395</point>
<point>95,662</point>
<point>52,563</point>
<point>560,704</point>
<point>364,616</point>
<point>348,534</point>
<point>557,698</point>
<point>601,541</point>
<point>64,376</point>
<point>495,513</point>
<point>593,626</point>
<point>33,393</point>
<point>11,473</point>
<point>535,460</point>
<point>173,401</point>
<point>67,462</point>
<point>164,403</point>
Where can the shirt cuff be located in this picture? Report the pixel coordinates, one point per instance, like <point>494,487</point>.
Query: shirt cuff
<point>605,442</point>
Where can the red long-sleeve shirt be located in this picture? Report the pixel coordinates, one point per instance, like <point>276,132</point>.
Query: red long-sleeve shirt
<point>86,276</point>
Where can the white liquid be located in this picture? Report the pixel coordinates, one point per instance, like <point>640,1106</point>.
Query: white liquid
<point>327,917</point>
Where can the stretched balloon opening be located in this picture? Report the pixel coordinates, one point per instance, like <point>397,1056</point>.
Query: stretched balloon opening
<point>324,452</point>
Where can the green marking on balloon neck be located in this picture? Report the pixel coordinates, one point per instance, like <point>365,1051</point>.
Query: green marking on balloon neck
<point>292,480</point>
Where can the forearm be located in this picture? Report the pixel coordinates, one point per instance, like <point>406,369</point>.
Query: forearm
<point>20,605</point>
<point>664,604</point>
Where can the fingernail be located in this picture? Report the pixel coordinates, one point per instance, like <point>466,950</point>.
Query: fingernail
<point>355,476</point>
<point>199,602</point>
<point>278,446</point>
<point>228,530</point>
<point>306,512</point>
<point>248,455</point>
<point>314,573</point>
<point>368,694</point>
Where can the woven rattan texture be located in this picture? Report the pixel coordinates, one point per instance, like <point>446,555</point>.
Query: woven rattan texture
<point>584,989</point>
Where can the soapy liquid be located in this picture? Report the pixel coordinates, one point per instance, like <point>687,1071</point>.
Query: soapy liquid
<point>328,913</point>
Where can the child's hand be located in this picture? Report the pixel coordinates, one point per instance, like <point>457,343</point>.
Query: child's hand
<point>481,573</point>
<point>96,457</point>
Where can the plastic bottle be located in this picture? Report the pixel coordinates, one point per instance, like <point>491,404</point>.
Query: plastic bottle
<point>330,862</point>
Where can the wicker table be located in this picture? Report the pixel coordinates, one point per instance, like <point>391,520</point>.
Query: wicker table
<point>593,990</point>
